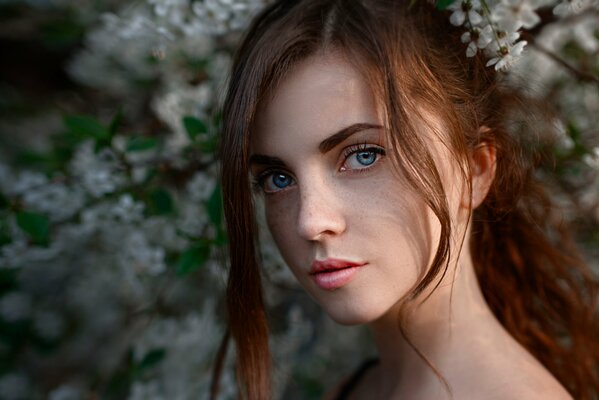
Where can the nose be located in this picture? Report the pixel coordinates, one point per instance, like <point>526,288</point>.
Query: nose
<point>320,213</point>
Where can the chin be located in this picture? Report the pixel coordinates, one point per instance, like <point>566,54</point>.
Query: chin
<point>349,316</point>
<point>347,320</point>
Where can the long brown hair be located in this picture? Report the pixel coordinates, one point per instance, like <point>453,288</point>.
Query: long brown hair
<point>528,269</point>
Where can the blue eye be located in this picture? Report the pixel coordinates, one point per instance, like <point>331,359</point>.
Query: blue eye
<point>281,180</point>
<point>273,181</point>
<point>366,157</point>
<point>361,157</point>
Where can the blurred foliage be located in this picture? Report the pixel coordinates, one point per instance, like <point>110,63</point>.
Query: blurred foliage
<point>111,223</point>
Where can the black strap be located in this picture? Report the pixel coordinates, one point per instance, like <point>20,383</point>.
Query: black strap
<point>355,378</point>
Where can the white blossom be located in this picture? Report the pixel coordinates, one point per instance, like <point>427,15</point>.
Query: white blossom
<point>564,141</point>
<point>584,32</point>
<point>146,391</point>
<point>140,256</point>
<point>220,16</point>
<point>25,182</point>
<point>592,158</point>
<point>465,10</point>
<point>54,199</point>
<point>511,15</point>
<point>163,230</point>
<point>570,7</point>
<point>178,102</point>
<point>5,177</point>
<point>95,296</point>
<point>48,324</point>
<point>66,392</point>
<point>12,253</point>
<point>127,210</point>
<point>193,219</point>
<point>14,386</point>
<point>506,59</point>
<point>120,50</point>
<point>99,173</point>
<point>477,39</point>
<point>201,186</point>
<point>180,375</point>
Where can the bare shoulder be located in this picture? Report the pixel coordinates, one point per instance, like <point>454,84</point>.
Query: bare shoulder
<point>526,383</point>
<point>529,392</point>
<point>509,374</point>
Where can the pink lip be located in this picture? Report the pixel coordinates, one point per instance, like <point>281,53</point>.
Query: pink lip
<point>332,273</point>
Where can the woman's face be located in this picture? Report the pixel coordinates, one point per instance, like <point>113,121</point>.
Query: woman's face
<point>331,196</point>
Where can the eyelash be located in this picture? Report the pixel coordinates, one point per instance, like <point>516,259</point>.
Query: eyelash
<point>358,148</point>
<point>258,181</point>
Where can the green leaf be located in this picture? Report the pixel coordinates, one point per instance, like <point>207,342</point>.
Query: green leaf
<point>5,234</point>
<point>34,159</point>
<point>192,259</point>
<point>36,225</point>
<point>101,143</point>
<point>573,50</point>
<point>443,4</point>
<point>152,358</point>
<point>579,149</point>
<point>4,202</point>
<point>208,146</point>
<point>221,237</point>
<point>217,118</point>
<point>8,280</point>
<point>86,126</point>
<point>140,143</point>
<point>214,206</point>
<point>194,127</point>
<point>64,32</point>
<point>150,175</point>
<point>160,202</point>
<point>573,131</point>
<point>116,123</point>
<point>197,65</point>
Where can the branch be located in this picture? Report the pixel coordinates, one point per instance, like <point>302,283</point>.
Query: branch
<point>580,75</point>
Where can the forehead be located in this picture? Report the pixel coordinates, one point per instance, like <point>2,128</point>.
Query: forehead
<point>319,96</point>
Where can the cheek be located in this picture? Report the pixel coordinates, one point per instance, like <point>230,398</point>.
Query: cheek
<point>402,227</point>
<point>280,217</point>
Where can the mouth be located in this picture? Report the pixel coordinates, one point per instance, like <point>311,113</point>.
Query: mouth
<point>331,274</point>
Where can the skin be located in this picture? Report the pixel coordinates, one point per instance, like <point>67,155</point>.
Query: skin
<point>331,205</point>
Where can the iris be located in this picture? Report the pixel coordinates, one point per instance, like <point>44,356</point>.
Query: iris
<point>366,157</point>
<point>281,180</point>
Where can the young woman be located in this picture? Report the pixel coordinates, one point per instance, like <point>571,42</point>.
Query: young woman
<point>399,198</point>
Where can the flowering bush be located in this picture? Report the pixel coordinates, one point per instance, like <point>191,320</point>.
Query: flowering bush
<point>112,246</point>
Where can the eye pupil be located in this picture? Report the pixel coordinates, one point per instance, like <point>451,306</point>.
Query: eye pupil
<point>366,157</point>
<point>281,180</point>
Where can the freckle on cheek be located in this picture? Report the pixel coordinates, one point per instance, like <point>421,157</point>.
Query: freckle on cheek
<point>275,218</point>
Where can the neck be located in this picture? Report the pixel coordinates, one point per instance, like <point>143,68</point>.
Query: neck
<point>446,329</point>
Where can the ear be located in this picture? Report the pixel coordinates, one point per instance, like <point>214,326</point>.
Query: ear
<point>482,165</point>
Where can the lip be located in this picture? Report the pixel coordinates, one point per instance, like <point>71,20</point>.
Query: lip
<point>333,273</point>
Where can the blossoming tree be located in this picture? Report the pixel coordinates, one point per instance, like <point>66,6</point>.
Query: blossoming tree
<point>112,246</point>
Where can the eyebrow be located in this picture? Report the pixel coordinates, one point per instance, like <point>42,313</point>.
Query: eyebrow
<point>324,147</point>
<point>266,160</point>
<point>329,143</point>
